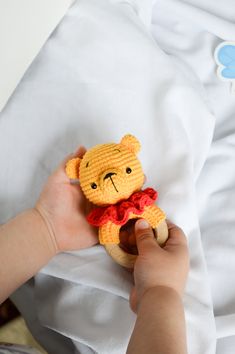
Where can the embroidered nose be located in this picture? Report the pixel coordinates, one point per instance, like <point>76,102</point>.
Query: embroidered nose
<point>108,175</point>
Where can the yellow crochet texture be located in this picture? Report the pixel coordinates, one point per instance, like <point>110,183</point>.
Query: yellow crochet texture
<point>109,173</point>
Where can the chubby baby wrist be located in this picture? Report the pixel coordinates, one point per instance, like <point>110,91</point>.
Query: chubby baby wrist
<point>161,293</point>
<point>45,230</point>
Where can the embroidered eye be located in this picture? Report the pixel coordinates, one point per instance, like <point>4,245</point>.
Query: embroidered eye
<point>93,185</point>
<point>128,170</point>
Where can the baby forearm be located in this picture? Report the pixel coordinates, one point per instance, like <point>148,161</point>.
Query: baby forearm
<point>160,324</point>
<point>25,247</point>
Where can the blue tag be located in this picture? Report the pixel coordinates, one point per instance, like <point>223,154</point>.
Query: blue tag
<point>225,58</point>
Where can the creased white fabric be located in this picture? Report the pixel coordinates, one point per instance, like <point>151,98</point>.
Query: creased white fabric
<point>189,32</point>
<point>100,75</point>
<point>24,27</point>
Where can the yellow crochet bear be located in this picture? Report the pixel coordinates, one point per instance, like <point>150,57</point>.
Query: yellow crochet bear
<point>111,177</point>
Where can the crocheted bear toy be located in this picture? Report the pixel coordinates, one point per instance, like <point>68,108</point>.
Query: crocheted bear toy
<point>111,177</point>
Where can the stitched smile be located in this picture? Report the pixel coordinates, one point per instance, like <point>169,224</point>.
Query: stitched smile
<point>113,184</point>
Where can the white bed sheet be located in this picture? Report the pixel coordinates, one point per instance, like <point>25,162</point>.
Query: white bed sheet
<point>189,32</point>
<point>24,27</point>
<point>102,66</point>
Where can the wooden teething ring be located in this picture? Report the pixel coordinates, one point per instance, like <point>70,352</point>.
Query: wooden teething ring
<point>121,257</point>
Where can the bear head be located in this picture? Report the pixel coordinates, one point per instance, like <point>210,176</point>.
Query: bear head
<point>109,173</point>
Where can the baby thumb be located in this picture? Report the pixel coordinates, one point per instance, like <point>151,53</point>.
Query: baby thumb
<point>144,236</point>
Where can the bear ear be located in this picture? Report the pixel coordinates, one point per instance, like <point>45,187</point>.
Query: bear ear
<point>131,143</point>
<point>72,168</point>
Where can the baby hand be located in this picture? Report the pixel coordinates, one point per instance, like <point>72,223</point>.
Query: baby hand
<point>63,207</point>
<point>155,266</point>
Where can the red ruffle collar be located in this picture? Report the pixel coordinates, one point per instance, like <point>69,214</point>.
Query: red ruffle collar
<point>119,213</point>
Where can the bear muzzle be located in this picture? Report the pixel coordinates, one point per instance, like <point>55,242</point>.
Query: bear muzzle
<point>112,181</point>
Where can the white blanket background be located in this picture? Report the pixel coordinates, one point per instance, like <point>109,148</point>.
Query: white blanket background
<point>22,35</point>
<point>189,32</point>
<point>102,74</point>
